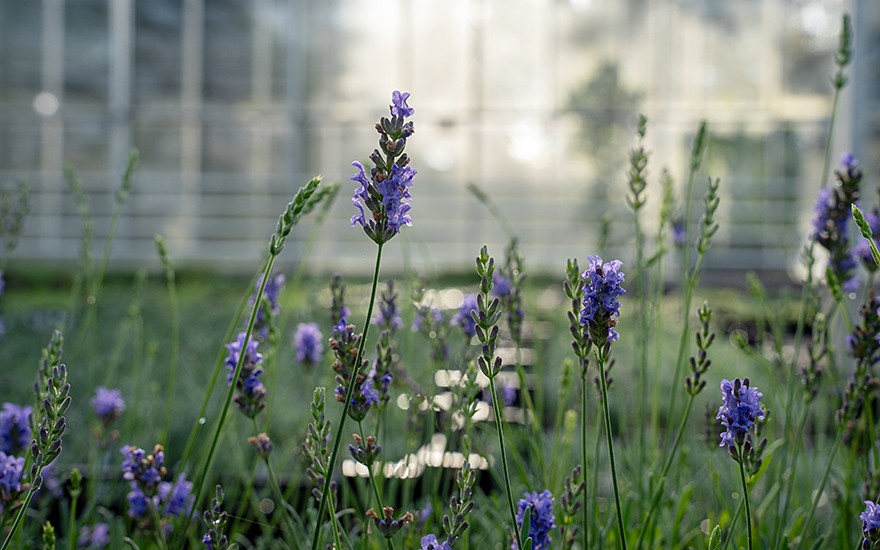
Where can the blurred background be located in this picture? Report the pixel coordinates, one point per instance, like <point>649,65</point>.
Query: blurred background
<point>235,104</point>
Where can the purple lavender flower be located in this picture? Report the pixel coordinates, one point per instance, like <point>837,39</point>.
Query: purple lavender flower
<point>463,317</point>
<point>849,161</point>
<point>385,193</point>
<point>501,285</point>
<point>422,316</point>
<point>108,404</point>
<point>252,356</point>
<point>541,520</point>
<point>679,233</point>
<point>388,316</point>
<point>825,218</point>
<point>399,106</point>
<point>430,542</point>
<point>371,395</point>
<point>263,323</point>
<point>138,503</point>
<point>10,472</point>
<point>307,341</point>
<point>94,538</point>
<point>15,428</point>
<point>143,470</point>
<point>251,393</point>
<point>176,499</point>
<point>870,524</point>
<point>740,410</point>
<point>508,393</point>
<point>601,292</point>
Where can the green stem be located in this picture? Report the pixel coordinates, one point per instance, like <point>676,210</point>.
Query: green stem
<point>584,510</point>
<point>19,515</point>
<point>601,359</point>
<point>231,391</point>
<point>655,501</point>
<point>157,526</point>
<point>218,366</point>
<point>276,488</point>
<point>791,476</point>
<point>742,475</point>
<point>373,482</point>
<point>689,277</point>
<point>71,524</point>
<point>821,489</point>
<point>174,361</point>
<point>348,397</point>
<point>496,406</point>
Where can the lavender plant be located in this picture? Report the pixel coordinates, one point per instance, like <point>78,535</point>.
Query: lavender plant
<point>385,194</point>
<point>602,290</point>
<point>52,393</point>
<point>741,407</point>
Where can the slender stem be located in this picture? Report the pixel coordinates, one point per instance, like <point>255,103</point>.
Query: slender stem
<point>218,366</point>
<point>821,489</point>
<point>19,515</point>
<point>584,511</point>
<point>374,484</point>
<point>655,501</point>
<point>174,361</point>
<point>348,397</point>
<point>230,392</point>
<point>601,360</point>
<point>733,523</point>
<point>157,526</point>
<point>279,496</point>
<point>496,406</point>
<point>791,476</point>
<point>742,475</point>
<point>71,523</point>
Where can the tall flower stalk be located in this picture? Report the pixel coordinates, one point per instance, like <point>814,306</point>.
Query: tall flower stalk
<point>486,316</point>
<point>842,58</point>
<point>300,204</point>
<point>174,306</point>
<point>385,195</point>
<point>694,384</point>
<point>740,408</point>
<point>601,308</point>
<point>637,176</point>
<point>690,277</point>
<point>573,286</point>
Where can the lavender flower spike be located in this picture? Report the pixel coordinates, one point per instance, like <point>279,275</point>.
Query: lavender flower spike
<point>385,193</point>
<point>601,305</point>
<point>307,343</point>
<point>15,428</point>
<point>870,525</point>
<point>541,520</point>
<point>740,410</point>
<point>430,542</point>
<point>464,317</point>
<point>108,404</point>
